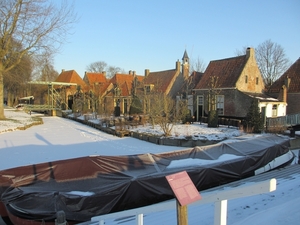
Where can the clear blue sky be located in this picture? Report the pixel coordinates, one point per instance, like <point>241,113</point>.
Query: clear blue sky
<point>153,34</point>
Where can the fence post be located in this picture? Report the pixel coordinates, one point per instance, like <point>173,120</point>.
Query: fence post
<point>140,219</point>
<point>220,212</point>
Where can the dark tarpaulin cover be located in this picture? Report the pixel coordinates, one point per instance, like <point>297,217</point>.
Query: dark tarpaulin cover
<point>89,186</point>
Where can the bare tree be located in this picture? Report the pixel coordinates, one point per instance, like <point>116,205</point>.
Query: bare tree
<point>15,80</point>
<point>198,65</point>
<point>213,92</point>
<point>97,67</point>
<point>100,66</point>
<point>112,70</point>
<point>44,69</point>
<point>161,111</point>
<point>272,61</point>
<point>241,52</point>
<point>39,26</point>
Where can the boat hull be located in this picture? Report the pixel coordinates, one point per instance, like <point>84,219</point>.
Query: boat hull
<point>89,186</point>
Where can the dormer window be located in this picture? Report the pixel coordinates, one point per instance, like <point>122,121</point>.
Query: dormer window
<point>148,88</point>
<point>246,79</point>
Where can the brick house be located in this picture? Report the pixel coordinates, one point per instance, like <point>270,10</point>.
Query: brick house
<point>68,92</point>
<point>97,84</point>
<point>118,92</point>
<point>236,82</point>
<point>287,88</point>
<point>168,82</point>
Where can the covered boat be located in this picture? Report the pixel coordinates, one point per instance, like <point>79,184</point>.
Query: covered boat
<point>89,186</point>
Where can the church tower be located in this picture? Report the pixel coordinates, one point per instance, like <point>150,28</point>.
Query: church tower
<point>185,65</point>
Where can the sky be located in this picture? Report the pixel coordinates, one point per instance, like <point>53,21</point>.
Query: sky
<point>58,138</point>
<point>137,35</point>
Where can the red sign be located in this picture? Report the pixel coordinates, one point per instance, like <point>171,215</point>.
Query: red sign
<point>183,188</point>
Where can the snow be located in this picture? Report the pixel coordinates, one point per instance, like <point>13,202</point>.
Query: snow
<point>200,162</point>
<point>80,193</point>
<point>59,138</point>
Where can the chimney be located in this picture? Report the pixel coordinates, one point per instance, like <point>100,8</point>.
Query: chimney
<point>178,65</point>
<point>63,70</point>
<point>147,71</point>
<point>133,73</point>
<point>287,82</point>
<point>284,93</point>
<point>104,74</point>
<point>250,52</point>
<point>130,72</point>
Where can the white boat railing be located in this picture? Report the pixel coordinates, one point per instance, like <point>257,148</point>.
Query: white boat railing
<point>219,198</point>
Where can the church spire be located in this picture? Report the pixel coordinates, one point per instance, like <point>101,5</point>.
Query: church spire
<point>185,64</point>
<point>185,58</point>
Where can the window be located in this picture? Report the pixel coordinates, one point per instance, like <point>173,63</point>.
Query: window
<point>200,100</point>
<point>256,80</point>
<point>274,110</point>
<point>148,88</point>
<point>200,107</point>
<point>246,79</point>
<point>220,104</point>
<point>125,102</point>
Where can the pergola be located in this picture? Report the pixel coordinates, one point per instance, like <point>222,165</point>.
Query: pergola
<point>52,93</point>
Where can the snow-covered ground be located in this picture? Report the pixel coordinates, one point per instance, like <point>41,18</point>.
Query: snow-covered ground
<point>59,138</point>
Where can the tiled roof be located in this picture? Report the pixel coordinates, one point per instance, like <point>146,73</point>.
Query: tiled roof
<point>227,70</point>
<point>261,97</point>
<point>70,76</point>
<point>125,89</point>
<point>161,80</point>
<point>124,81</point>
<point>294,74</point>
<point>191,82</point>
<point>121,78</point>
<point>195,77</point>
<point>95,78</point>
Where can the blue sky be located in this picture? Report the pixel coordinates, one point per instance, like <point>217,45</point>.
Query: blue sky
<point>153,34</point>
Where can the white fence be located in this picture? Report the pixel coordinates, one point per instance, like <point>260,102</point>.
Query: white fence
<point>218,198</point>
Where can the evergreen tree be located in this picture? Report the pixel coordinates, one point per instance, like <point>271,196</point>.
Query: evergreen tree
<point>212,118</point>
<point>254,120</point>
<point>136,106</point>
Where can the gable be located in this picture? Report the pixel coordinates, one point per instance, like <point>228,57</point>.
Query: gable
<point>124,81</point>
<point>293,73</point>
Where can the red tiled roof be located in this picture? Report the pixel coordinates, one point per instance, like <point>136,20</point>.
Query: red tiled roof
<point>121,78</point>
<point>95,78</point>
<point>70,76</point>
<point>294,74</point>
<point>227,70</point>
<point>124,81</point>
<point>125,89</point>
<point>161,80</point>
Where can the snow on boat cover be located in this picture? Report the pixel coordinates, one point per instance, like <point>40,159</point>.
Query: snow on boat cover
<point>89,186</point>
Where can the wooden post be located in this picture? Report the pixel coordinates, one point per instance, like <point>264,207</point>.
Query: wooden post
<point>182,217</point>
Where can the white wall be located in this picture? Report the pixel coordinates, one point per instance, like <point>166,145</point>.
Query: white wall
<point>281,108</point>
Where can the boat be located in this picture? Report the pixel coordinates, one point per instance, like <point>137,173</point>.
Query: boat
<point>89,186</point>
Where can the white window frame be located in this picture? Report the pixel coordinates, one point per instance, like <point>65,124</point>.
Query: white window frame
<point>220,104</point>
<point>274,110</point>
